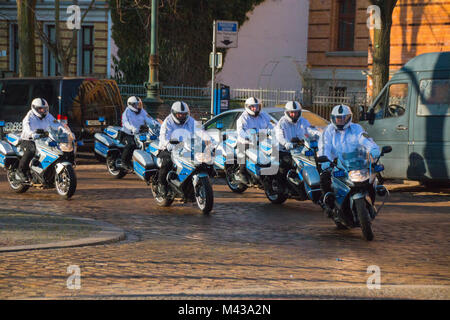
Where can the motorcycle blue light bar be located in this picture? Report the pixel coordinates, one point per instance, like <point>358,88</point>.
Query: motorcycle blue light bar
<point>2,123</point>
<point>379,168</point>
<point>80,143</point>
<point>313,144</point>
<point>143,137</point>
<point>339,174</point>
<point>309,153</point>
<point>101,119</point>
<point>153,137</point>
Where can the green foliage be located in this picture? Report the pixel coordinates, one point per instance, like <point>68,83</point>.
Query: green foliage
<point>185,37</point>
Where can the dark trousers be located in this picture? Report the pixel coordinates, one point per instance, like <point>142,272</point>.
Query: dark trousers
<point>166,165</point>
<point>325,182</point>
<point>130,145</point>
<point>286,162</point>
<point>29,150</point>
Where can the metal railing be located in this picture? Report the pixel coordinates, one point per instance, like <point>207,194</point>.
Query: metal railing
<point>317,101</point>
<point>270,97</point>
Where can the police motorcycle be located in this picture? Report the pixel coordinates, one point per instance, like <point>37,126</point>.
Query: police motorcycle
<point>189,178</point>
<point>355,189</point>
<point>51,167</point>
<point>303,180</point>
<point>108,146</point>
<point>260,163</point>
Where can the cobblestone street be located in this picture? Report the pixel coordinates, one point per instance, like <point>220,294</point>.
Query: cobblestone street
<point>246,247</point>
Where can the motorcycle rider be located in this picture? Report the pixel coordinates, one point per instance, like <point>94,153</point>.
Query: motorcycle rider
<point>291,125</point>
<point>252,118</point>
<point>133,118</point>
<point>37,118</point>
<point>342,135</point>
<point>178,125</point>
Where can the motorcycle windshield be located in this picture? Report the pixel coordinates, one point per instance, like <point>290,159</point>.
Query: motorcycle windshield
<point>355,160</point>
<point>59,136</point>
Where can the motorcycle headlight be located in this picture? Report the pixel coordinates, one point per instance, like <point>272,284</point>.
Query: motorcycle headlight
<point>359,175</point>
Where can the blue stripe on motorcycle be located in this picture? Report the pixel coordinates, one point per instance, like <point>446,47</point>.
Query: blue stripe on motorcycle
<point>2,159</point>
<point>252,167</point>
<point>184,174</point>
<point>138,169</point>
<point>101,148</point>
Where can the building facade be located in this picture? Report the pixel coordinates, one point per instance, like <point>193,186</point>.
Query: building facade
<point>271,47</point>
<point>93,49</point>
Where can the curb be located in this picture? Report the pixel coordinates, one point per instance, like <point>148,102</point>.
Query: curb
<point>107,234</point>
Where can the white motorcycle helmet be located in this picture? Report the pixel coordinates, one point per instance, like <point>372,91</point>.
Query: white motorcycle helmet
<point>253,106</point>
<point>39,107</point>
<point>135,104</point>
<point>293,111</point>
<point>341,116</point>
<point>179,112</point>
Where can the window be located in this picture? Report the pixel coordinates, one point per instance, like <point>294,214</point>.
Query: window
<point>434,98</point>
<point>397,100</point>
<point>337,91</point>
<point>346,25</point>
<point>87,50</point>
<point>393,101</point>
<point>14,62</point>
<point>223,122</point>
<point>14,99</point>
<point>51,65</point>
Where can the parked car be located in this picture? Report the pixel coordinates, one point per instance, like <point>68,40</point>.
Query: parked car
<point>412,114</point>
<point>79,101</point>
<point>227,120</point>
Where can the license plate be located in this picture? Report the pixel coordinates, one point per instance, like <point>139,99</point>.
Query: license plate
<point>92,122</point>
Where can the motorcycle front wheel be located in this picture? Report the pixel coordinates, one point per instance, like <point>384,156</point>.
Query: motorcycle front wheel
<point>364,218</point>
<point>117,173</point>
<point>66,182</point>
<point>15,185</point>
<point>204,195</point>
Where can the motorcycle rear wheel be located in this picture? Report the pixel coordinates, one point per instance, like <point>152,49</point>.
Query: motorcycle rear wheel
<point>231,182</point>
<point>275,196</point>
<point>364,219</point>
<point>117,173</point>
<point>160,200</point>
<point>15,185</point>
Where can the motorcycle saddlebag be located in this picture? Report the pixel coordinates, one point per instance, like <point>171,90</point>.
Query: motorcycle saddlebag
<point>311,177</point>
<point>7,154</point>
<point>143,163</point>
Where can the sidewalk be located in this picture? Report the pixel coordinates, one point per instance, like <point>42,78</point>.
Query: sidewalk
<point>29,231</point>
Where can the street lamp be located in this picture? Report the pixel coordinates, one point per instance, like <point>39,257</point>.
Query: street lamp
<point>152,86</point>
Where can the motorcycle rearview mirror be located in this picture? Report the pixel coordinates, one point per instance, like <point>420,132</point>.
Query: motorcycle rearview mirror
<point>386,149</point>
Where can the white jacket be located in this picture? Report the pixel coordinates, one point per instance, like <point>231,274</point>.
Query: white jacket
<point>171,130</point>
<point>31,123</point>
<point>247,122</point>
<point>334,142</point>
<point>285,130</point>
<point>132,122</point>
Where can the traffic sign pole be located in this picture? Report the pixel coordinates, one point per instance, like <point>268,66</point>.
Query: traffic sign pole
<point>213,68</point>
